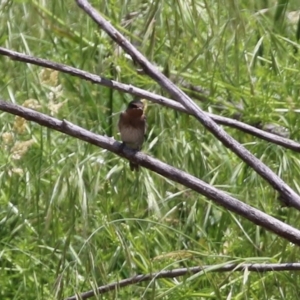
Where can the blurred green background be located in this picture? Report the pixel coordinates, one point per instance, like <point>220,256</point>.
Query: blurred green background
<point>73,216</point>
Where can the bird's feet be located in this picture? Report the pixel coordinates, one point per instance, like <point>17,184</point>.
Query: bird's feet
<point>121,148</point>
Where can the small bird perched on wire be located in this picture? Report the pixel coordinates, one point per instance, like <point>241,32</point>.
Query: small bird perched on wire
<point>132,126</point>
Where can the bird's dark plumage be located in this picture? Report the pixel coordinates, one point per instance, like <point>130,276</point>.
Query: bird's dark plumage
<point>132,126</point>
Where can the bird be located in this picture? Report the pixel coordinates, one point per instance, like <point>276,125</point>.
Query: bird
<point>132,127</point>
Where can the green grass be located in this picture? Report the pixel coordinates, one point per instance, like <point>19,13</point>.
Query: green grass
<point>73,216</point>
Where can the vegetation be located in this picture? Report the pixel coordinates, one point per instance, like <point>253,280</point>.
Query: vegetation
<point>74,217</point>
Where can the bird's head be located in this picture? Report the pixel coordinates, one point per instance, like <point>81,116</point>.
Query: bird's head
<point>135,107</point>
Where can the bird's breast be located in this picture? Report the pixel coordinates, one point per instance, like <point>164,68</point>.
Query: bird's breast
<point>133,137</point>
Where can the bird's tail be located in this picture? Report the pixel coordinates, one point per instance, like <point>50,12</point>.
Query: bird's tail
<point>134,166</point>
